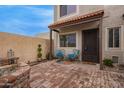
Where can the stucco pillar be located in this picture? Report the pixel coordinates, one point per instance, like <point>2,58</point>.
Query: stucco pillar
<point>100,43</point>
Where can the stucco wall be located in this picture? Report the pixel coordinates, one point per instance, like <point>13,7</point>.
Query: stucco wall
<point>113,14</point>
<point>80,9</point>
<point>45,35</point>
<point>24,47</point>
<point>84,9</point>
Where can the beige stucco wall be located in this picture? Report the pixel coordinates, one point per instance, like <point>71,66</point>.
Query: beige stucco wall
<point>24,47</point>
<point>112,18</point>
<point>84,9</point>
<point>45,35</point>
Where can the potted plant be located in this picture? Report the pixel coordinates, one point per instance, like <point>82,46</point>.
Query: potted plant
<point>39,54</point>
<point>108,62</point>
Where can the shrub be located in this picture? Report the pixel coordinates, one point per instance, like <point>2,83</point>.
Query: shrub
<point>39,55</point>
<point>39,45</point>
<point>39,49</point>
<point>108,62</point>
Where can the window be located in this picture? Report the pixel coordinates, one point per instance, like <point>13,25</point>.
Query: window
<point>115,59</point>
<point>114,37</point>
<point>68,40</point>
<point>67,9</point>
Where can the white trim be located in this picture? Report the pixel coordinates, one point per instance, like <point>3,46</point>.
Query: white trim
<point>120,39</point>
<point>106,39</point>
<point>68,15</point>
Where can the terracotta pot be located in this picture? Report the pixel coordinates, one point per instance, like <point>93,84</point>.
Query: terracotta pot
<point>39,59</point>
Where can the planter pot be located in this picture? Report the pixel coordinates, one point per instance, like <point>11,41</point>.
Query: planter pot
<point>39,59</point>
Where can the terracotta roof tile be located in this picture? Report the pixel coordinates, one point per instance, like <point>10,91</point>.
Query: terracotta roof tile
<point>77,18</point>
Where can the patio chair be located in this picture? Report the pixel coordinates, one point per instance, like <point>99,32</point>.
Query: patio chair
<point>74,56</point>
<point>60,54</point>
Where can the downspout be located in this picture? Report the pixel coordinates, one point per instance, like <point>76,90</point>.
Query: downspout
<point>51,45</point>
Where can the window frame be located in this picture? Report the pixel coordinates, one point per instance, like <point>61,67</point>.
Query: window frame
<point>114,38</point>
<point>67,45</point>
<point>67,14</point>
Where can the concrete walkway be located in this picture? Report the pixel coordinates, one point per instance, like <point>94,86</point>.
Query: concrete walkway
<point>52,75</point>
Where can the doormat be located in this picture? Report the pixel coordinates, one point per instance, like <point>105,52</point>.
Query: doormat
<point>91,63</point>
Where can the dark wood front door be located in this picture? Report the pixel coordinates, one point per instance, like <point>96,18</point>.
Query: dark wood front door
<point>90,45</point>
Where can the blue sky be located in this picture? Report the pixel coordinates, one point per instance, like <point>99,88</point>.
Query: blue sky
<point>25,20</point>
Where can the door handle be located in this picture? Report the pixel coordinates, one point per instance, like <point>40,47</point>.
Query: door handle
<point>85,48</point>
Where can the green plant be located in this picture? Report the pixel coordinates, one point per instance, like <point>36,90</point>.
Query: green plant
<point>108,62</point>
<point>39,49</point>
<point>39,55</point>
<point>64,39</point>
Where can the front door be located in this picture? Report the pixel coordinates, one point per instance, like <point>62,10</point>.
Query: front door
<point>90,45</point>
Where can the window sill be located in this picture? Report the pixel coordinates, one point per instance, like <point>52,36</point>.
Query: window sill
<point>68,15</point>
<point>114,49</point>
<point>67,47</point>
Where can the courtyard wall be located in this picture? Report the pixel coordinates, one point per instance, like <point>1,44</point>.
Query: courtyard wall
<point>24,47</point>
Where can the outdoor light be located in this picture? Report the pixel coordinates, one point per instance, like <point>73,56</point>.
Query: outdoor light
<point>123,16</point>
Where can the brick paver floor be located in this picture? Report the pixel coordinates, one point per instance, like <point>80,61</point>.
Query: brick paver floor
<point>53,75</point>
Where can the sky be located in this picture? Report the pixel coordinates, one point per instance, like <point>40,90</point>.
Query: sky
<point>25,20</point>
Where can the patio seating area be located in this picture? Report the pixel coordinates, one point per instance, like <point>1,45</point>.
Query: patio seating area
<point>74,56</point>
<point>52,75</point>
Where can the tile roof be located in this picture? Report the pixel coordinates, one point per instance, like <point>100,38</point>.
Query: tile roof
<point>76,19</point>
